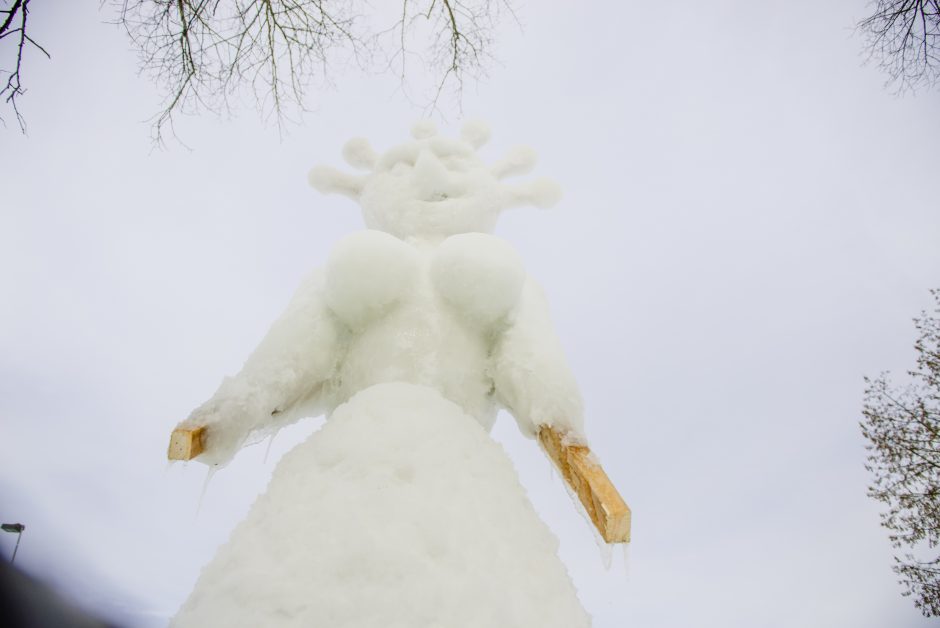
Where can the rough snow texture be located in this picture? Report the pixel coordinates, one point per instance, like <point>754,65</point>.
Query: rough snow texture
<point>434,186</point>
<point>426,296</point>
<point>400,513</point>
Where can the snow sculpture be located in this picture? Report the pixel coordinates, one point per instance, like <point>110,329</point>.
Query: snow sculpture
<point>402,511</point>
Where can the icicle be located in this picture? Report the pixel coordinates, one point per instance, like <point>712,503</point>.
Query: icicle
<point>607,553</point>
<point>606,549</point>
<point>625,549</point>
<point>205,486</point>
<point>267,449</point>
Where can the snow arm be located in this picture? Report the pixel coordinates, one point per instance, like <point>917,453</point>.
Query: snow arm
<point>288,368</point>
<point>530,372</point>
<point>533,381</point>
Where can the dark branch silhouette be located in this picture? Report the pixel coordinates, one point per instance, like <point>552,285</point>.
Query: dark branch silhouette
<point>202,53</point>
<point>904,40</point>
<point>13,25</point>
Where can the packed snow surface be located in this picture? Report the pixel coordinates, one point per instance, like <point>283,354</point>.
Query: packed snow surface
<point>426,296</point>
<point>401,511</point>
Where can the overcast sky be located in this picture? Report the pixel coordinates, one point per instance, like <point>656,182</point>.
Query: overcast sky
<point>750,222</point>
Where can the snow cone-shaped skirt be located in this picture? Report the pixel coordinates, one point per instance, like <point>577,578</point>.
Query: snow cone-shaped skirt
<point>401,512</point>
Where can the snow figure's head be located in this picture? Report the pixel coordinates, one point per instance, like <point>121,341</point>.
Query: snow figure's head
<point>433,185</point>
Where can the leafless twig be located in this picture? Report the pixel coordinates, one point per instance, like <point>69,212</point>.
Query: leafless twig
<point>461,42</point>
<point>201,53</point>
<point>13,24</point>
<point>904,40</point>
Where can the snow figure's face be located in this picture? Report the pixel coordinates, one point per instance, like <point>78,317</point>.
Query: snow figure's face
<point>434,186</point>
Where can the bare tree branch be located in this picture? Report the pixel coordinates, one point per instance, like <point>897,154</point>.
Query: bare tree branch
<point>903,38</point>
<point>14,25</point>
<point>461,43</point>
<point>202,53</point>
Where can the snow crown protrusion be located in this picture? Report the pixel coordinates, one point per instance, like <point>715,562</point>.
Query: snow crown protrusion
<point>435,185</point>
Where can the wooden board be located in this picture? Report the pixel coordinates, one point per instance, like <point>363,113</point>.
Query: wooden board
<point>186,444</point>
<point>605,506</point>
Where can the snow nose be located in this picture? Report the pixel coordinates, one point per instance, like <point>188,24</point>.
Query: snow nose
<point>432,179</point>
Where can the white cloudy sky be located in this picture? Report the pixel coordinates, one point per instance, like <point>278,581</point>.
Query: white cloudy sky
<point>749,224</point>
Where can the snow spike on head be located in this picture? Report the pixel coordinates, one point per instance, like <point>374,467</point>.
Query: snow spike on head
<point>423,129</point>
<point>358,153</point>
<point>519,160</point>
<point>327,180</point>
<point>476,133</point>
<point>543,193</point>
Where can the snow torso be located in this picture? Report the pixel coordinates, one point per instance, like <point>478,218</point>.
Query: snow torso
<point>425,296</point>
<point>428,313</point>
